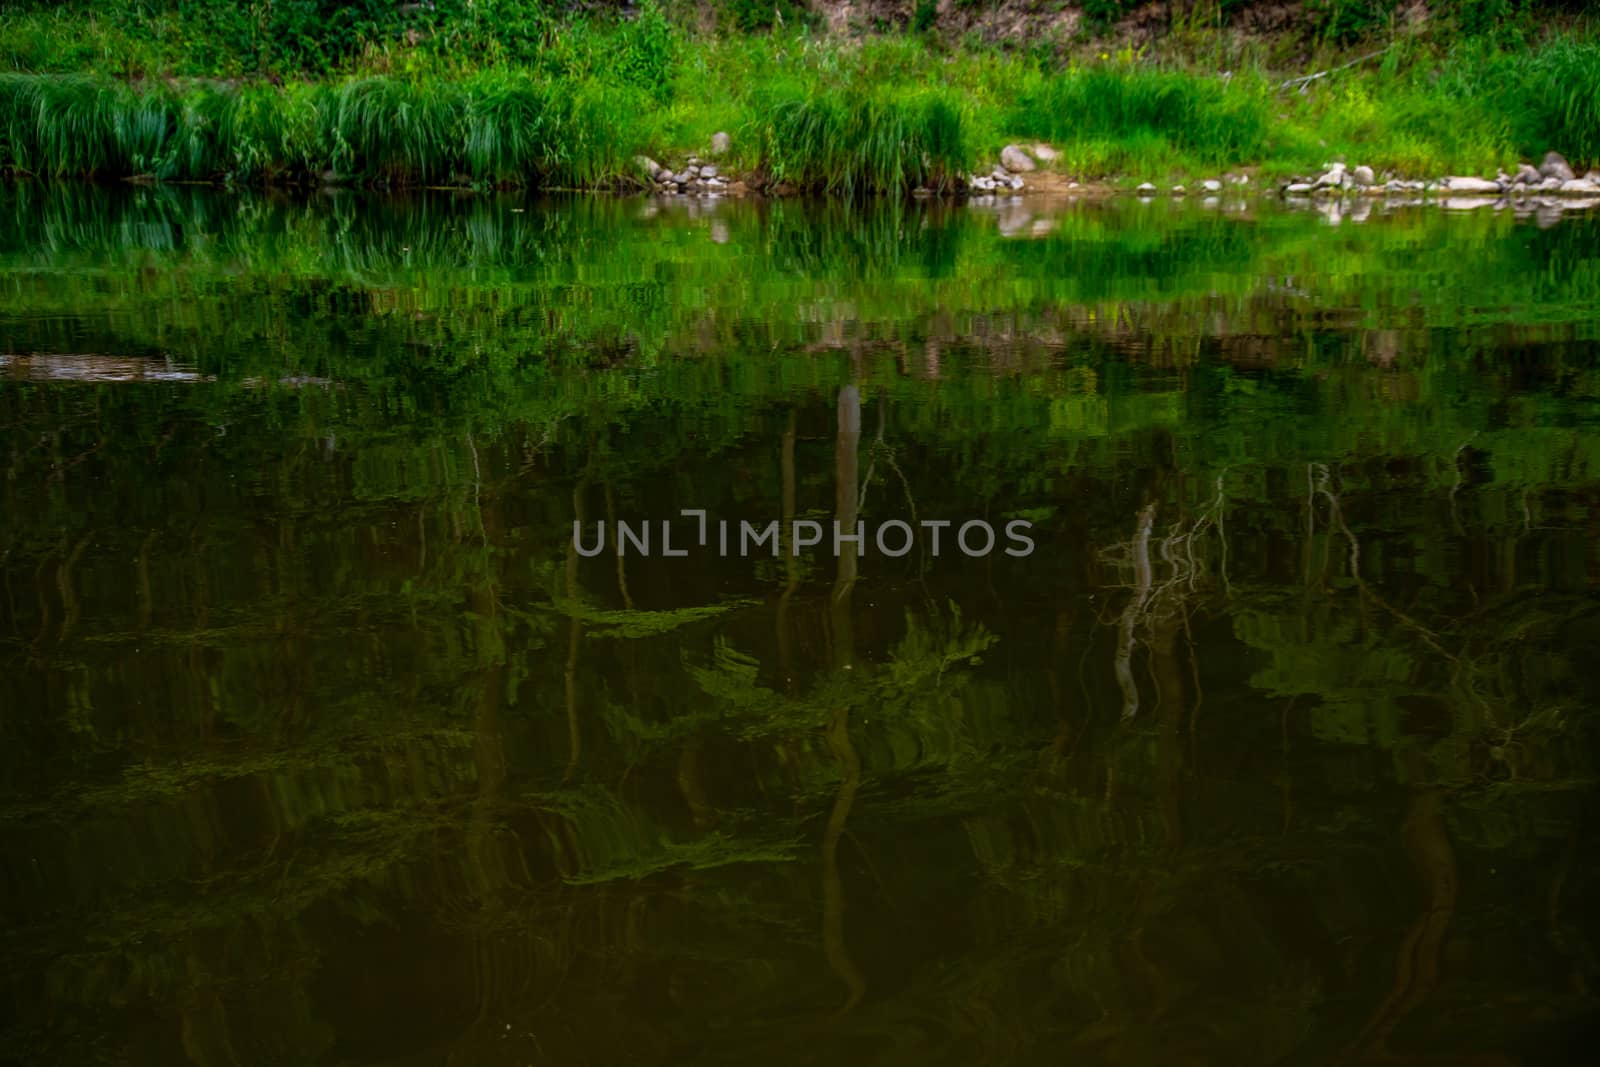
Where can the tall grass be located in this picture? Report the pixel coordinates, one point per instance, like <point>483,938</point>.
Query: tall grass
<point>401,131</point>
<point>855,140</point>
<point>80,126</point>
<point>1549,96</point>
<point>814,114</point>
<point>1120,114</point>
<point>495,127</point>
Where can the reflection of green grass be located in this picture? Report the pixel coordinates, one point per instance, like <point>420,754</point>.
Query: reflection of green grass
<point>542,287</point>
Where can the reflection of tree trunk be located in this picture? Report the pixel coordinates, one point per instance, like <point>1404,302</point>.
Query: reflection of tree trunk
<point>1417,963</point>
<point>204,1025</point>
<point>844,510</point>
<point>791,562</point>
<point>1169,722</point>
<point>574,638</point>
<point>839,743</point>
<point>1058,653</point>
<point>71,609</point>
<point>197,652</point>
<point>1130,616</point>
<point>486,866</point>
<point>689,785</point>
<point>622,570</point>
<point>146,600</point>
<point>497,952</point>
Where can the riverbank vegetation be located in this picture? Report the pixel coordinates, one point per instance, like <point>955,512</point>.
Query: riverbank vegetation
<point>502,93</point>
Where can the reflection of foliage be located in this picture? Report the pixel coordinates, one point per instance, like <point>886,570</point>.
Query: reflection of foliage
<point>275,676</point>
<point>931,648</point>
<point>635,624</point>
<point>610,841</point>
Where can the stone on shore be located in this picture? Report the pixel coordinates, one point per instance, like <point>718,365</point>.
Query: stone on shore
<point>1555,165</point>
<point>1332,178</point>
<point>1045,154</point>
<point>1211,185</point>
<point>1299,188</point>
<point>1476,186</point>
<point>1145,189</point>
<point>1579,187</point>
<point>720,143</point>
<point>1016,160</point>
<point>1363,175</point>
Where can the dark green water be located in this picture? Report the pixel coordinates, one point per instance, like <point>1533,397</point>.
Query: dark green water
<point>320,743</point>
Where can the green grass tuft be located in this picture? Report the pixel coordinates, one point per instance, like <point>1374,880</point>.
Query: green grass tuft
<point>857,141</point>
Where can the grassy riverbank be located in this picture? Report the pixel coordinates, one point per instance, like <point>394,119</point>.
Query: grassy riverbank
<point>805,109</point>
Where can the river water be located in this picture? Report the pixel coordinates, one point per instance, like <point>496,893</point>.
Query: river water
<point>1262,732</point>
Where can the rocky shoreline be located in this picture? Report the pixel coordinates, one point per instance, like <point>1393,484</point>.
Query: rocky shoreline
<point>1019,172</point>
<point>1553,177</point>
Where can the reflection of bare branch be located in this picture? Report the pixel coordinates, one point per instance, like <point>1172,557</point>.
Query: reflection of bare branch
<point>1336,515</point>
<point>1163,598</point>
<point>1130,615</point>
<point>1463,670</point>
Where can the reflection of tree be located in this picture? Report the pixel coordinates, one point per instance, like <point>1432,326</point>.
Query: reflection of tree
<point>838,729</point>
<point>378,694</point>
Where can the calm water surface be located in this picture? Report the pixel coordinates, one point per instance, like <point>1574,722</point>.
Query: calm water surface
<point>320,743</point>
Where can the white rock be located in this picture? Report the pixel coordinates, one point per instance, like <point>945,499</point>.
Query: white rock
<point>1579,187</point>
<point>1298,188</point>
<point>720,143</point>
<point>1363,175</point>
<point>708,171</point>
<point>1528,175</point>
<point>1145,189</point>
<point>1179,190</point>
<point>1478,186</point>
<point>1045,154</point>
<point>1016,160</point>
<point>1556,166</point>
<point>1016,182</point>
<point>1211,185</point>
